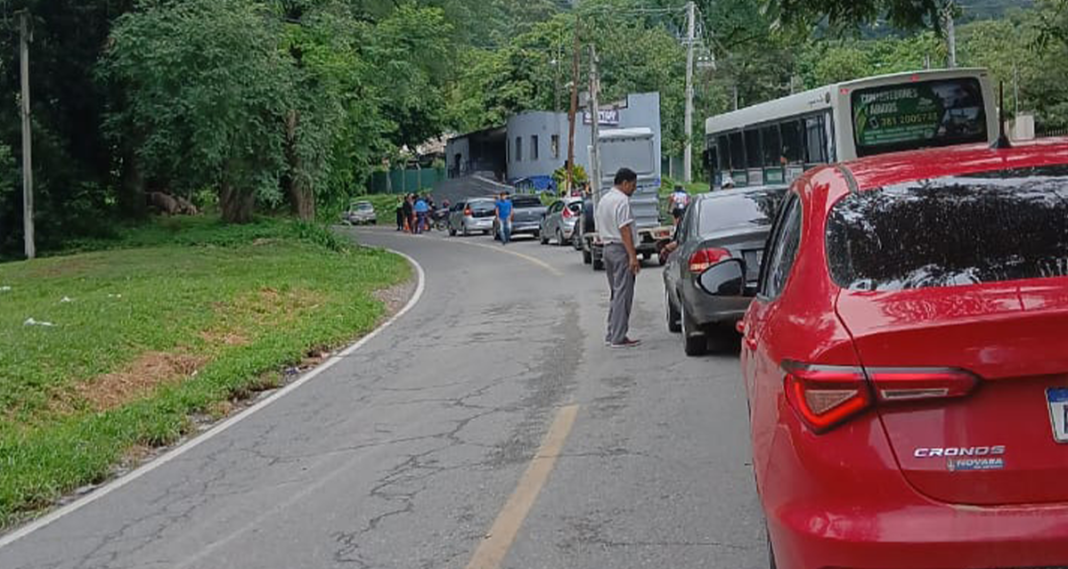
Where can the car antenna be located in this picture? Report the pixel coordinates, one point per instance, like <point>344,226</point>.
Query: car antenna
<point>1003,140</point>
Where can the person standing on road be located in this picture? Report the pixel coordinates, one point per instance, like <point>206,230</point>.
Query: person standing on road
<point>505,214</point>
<point>400,214</point>
<point>618,232</point>
<point>421,209</point>
<point>409,213</point>
<point>680,200</point>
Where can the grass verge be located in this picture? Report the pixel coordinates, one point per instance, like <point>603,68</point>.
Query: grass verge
<point>176,319</point>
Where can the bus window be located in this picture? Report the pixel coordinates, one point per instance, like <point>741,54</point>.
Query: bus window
<point>753,153</point>
<point>793,143</point>
<point>772,142</point>
<point>724,146</point>
<point>737,148</point>
<point>774,161</point>
<point>816,140</point>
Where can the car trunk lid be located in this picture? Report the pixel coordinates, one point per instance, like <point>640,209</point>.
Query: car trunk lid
<point>996,445</point>
<point>742,243</point>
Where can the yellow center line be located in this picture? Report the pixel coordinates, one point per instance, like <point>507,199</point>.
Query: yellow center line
<point>502,249</point>
<point>493,549</point>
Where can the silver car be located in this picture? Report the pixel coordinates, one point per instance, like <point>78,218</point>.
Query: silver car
<point>359,213</point>
<point>560,221</point>
<point>472,216</point>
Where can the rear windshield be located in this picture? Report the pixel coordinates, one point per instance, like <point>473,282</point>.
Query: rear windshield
<point>990,227</point>
<point>526,201</point>
<point>575,207</point>
<point>364,206</point>
<point>918,115</point>
<point>482,205</point>
<point>756,208</point>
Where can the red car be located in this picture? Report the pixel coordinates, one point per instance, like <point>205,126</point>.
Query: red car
<point>906,362</point>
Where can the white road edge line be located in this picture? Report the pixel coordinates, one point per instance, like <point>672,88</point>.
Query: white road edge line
<point>191,444</point>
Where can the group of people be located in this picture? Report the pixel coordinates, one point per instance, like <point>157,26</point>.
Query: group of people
<point>415,213</point>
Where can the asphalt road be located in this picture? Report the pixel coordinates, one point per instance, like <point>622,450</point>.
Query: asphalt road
<point>409,451</point>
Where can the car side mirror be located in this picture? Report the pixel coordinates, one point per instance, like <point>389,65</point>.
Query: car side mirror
<point>726,278</point>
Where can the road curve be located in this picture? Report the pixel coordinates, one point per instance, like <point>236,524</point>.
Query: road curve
<point>494,404</point>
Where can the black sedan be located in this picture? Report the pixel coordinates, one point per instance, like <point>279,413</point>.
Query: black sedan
<point>717,226</point>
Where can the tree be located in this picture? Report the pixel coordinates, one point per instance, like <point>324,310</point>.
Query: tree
<point>903,14</point>
<point>206,89</point>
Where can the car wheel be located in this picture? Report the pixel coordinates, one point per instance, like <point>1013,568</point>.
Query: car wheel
<point>452,231</point>
<point>485,232</point>
<point>646,256</point>
<point>544,240</point>
<point>673,319</point>
<point>559,238</point>
<point>694,343</point>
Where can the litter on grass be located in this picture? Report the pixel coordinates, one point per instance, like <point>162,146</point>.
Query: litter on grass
<point>66,299</point>
<point>5,289</point>
<point>32,322</point>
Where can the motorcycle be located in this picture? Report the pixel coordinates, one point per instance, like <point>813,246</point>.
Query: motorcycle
<point>439,219</point>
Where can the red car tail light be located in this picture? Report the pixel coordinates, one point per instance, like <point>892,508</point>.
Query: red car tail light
<point>469,213</point>
<point>701,260</point>
<point>919,384</point>
<point>827,396</point>
<point>567,214</point>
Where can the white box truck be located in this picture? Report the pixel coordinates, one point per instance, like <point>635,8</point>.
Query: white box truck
<point>632,148</point>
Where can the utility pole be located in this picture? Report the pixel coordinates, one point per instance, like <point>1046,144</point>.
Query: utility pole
<point>574,109</point>
<point>557,62</point>
<point>1016,90</point>
<point>687,153</point>
<point>27,161</point>
<point>595,127</point>
<point>951,34</point>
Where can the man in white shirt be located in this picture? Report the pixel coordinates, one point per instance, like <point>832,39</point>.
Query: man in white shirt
<point>618,233</point>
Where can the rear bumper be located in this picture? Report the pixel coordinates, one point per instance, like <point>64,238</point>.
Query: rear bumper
<point>809,535</point>
<point>479,223</point>
<point>839,501</point>
<point>523,227</point>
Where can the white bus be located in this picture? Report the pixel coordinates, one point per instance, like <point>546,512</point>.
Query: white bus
<point>774,142</point>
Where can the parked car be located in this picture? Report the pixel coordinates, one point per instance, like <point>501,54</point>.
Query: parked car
<point>906,362</point>
<point>717,226</point>
<point>560,221</point>
<point>527,213</point>
<point>360,213</point>
<point>584,226</point>
<point>471,216</point>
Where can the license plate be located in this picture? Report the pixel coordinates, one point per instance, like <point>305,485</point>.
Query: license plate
<point>1057,398</point>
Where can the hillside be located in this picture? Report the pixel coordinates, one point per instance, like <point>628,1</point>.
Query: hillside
<point>990,9</point>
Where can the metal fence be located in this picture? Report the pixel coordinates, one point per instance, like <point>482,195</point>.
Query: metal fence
<point>1050,132</point>
<point>405,181</point>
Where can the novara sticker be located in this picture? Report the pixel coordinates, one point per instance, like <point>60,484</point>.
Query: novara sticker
<point>966,464</point>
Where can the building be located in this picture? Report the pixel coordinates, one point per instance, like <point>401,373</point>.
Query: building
<point>532,145</point>
<point>482,152</point>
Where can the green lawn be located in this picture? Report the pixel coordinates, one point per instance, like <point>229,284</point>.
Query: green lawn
<point>195,315</point>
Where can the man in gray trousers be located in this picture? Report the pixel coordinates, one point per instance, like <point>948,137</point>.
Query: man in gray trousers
<point>618,232</point>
